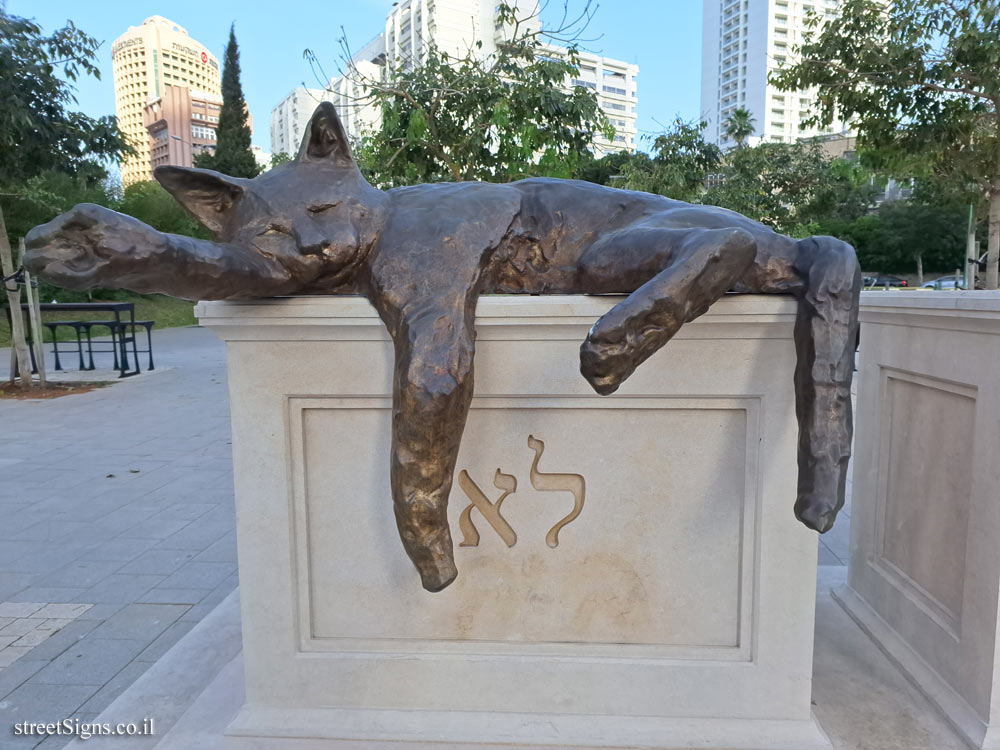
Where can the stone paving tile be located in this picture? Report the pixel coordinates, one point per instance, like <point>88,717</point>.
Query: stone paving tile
<point>11,583</point>
<point>20,609</point>
<point>115,686</point>
<point>62,700</point>
<point>140,621</point>
<point>118,549</point>
<point>223,550</point>
<point>165,641</point>
<point>158,561</point>
<point>51,594</point>
<point>197,536</point>
<point>199,575</point>
<point>19,672</point>
<point>79,574</point>
<point>121,588</point>
<point>152,528</point>
<point>60,641</point>
<point>174,596</point>
<point>91,661</point>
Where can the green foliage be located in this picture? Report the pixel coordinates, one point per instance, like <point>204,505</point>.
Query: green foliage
<point>497,117</point>
<point>232,147</point>
<point>739,126</point>
<point>606,170</point>
<point>919,80</point>
<point>892,239</point>
<point>43,197</point>
<point>151,204</point>
<point>681,163</point>
<point>38,131</point>
<point>278,159</point>
<point>789,185</point>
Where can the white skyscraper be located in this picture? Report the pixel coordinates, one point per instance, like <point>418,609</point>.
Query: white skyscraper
<point>743,41</point>
<point>455,27</point>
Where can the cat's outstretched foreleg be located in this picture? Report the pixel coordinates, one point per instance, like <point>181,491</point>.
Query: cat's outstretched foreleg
<point>92,246</point>
<point>431,395</point>
<point>825,335</point>
<point>699,266</point>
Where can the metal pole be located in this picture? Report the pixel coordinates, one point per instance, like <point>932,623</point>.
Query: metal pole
<point>971,261</point>
<point>35,316</point>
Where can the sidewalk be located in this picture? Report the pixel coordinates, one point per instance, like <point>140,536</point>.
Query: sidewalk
<point>121,500</point>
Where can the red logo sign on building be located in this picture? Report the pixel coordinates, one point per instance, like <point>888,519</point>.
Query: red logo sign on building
<point>204,57</point>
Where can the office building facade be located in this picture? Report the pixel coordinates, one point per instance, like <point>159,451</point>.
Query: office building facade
<point>181,126</point>
<point>146,61</point>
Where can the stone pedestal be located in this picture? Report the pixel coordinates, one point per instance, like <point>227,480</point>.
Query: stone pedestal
<point>675,610</point>
<point>924,572</point>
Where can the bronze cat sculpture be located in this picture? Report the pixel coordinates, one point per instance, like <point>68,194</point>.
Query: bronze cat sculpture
<point>422,255</point>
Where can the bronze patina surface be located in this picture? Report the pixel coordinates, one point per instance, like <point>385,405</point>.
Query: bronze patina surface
<point>424,254</point>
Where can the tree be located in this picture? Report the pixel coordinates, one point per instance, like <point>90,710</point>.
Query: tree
<point>495,117</point>
<point>278,159</point>
<point>790,185</point>
<point>680,166</point>
<point>38,130</point>
<point>607,170</point>
<point>739,126</point>
<point>918,79</point>
<point>232,147</point>
<point>151,204</point>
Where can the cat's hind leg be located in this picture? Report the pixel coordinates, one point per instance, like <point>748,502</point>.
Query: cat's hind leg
<point>698,267</point>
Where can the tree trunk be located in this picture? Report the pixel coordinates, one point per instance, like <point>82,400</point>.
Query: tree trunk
<point>993,248</point>
<point>920,270</point>
<point>18,343</point>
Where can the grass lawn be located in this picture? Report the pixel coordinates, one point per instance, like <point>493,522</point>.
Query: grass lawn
<point>168,312</point>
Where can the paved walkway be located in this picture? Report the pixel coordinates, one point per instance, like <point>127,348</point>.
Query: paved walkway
<point>119,499</point>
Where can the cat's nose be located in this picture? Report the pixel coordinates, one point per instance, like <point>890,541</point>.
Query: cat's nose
<point>311,241</point>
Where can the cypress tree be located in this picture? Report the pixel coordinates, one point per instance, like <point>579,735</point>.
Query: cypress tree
<point>232,147</point>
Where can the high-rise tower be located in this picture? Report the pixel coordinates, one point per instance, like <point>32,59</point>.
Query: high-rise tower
<point>147,59</point>
<point>743,41</point>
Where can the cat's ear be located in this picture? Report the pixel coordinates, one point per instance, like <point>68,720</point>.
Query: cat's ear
<point>207,195</point>
<point>325,139</point>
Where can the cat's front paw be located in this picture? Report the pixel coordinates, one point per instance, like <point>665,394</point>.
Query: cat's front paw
<point>67,251</point>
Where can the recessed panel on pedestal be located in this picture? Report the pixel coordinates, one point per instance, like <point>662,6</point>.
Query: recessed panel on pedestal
<point>577,523</point>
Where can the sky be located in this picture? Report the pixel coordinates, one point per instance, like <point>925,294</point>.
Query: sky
<point>662,36</point>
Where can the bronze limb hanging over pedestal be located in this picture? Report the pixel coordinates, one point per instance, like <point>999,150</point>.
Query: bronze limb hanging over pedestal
<point>423,255</point>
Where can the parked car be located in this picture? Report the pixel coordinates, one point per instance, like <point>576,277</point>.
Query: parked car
<point>946,282</point>
<point>885,280</point>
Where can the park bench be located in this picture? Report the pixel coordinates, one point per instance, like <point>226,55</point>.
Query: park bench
<point>122,329</point>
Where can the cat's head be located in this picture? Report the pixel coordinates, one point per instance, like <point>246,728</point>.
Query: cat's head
<point>317,208</point>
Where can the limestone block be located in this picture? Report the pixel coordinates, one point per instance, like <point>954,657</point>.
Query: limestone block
<point>924,572</point>
<point>630,569</point>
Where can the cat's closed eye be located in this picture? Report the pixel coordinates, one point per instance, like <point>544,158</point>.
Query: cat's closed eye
<point>321,207</point>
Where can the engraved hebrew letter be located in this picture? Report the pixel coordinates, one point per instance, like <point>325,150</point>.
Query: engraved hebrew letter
<point>545,482</point>
<point>490,511</point>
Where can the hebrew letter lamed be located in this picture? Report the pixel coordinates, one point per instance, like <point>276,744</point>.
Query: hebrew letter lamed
<point>573,483</point>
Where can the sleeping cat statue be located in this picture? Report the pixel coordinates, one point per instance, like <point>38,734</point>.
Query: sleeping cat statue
<point>422,255</point>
